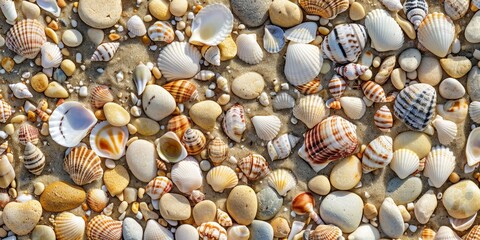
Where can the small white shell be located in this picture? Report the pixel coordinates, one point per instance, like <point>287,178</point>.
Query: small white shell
<point>105,52</point>
<point>462,224</point>
<point>284,100</point>
<point>212,55</point>
<point>436,33</point>
<point>51,55</point>
<point>136,26</point>
<point>281,147</point>
<point>248,49</point>
<point>404,162</point>
<point>282,181</point>
<point>302,33</point>
<point>439,164</point>
<point>303,63</point>
<point>221,178</point>
<point>266,127</point>
<point>392,5</point>
<point>154,230</point>
<point>169,148</point>
<point>474,111</point>
<point>211,25</point>
<point>179,60</point>
<point>50,6</point>
<point>472,148</point>
<point>446,130</point>
<point>311,110</point>
<point>187,175</point>
<point>204,75</point>
<point>354,107</point>
<point>20,90</point>
<point>141,76</point>
<point>364,232</point>
<point>8,10</point>
<point>273,39</point>
<point>445,232</point>
<point>384,31</point>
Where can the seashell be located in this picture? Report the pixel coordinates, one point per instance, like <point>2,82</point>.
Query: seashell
<point>446,233</point>
<point>179,124</point>
<point>333,103</point>
<point>155,231</point>
<point>194,141</point>
<point>462,224</point>
<point>427,234</point>
<point>105,52</point>
<point>50,6</point>
<point>161,32</point>
<point>404,162</point>
<point>474,233</point>
<point>302,33</point>
<point>345,43</point>
<point>303,63</point>
<point>337,86</point>
<point>179,60</point>
<point>212,231</point>
<point>158,186</point>
<point>273,39</point>
<point>436,33</point>
<point>20,90</point>
<point>439,164</point>
<point>351,71</point>
<point>384,31</point>
<point>248,49</point>
<point>51,55</point>
<point>415,10</point>
<point>182,90</point>
<point>392,5</point>
<point>240,232</point>
<point>102,227</point>
<point>456,9</point>
<point>253,167</point>
<point>100,95</point>
<point>67,226</point>
<point>141,76</point>
<point>383,119</point>
<point>28,133</point>
<point>454,110</point>
<point>223,219</point>
<point>3,147</point>
<point>186,231</point>
<point>378,154</point>
<point>26,38</point>
<point>282,181</point>
<point>324,8</point>
<point>211,54</point>
<point>234,123</point>
<point>169,148</point>
<point>9,11</point>
<point>211,25</point>
<point>472,148</point>
<point>33,159</point>
<point>221,178</point>
<point>385,69</point>
<point>365,232</point>
<point>310,110</point>
<point>187,175</point>
<point>5,111</point>
<point>4,198</point>
<point>97,199</point>
<point>473,110</point>
<point>136,26</point>
<point>446,130</point>
<point>266,127</point>
<point>83,165</point>
<point>204,75</point>
<point>304,203</point>
<point>373,92</point>
<point>7,174</point>
<point>311,87</point>
<point>283,100</point>
<point>218,151</point>
<point>325,232</point>
<point>281,147</point>
<point>415,106</point>
<point>108,141</point>
<point>354,107</point>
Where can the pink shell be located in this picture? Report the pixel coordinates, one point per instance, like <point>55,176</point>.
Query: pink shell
<point>234,123</point>
<point>28,133</point>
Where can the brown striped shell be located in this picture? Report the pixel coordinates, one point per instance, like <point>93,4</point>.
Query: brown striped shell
<point>383,119</point>
<point>351,71</point>
<point>102,227</point>
<point>253,167</point>
<point>212,231</point>
<point>311,87</point>
<point>179,124</point>
<point>304,203</point>
<point>182,90</point>
<point>158,186</point>
<point>218,151</point>
<point>337,86</point>
<point>26,38</point>
<point>373,92</point>
<point>194,141</point>
<point>105,52</point>
<point>33,159</point>
<point>427,234</point>
<point>325,8</point>
<point>474,234</point>
<point>223,218</point>
<point>83,165</point>
<point>5,111</point>
<point>325,232</point>
<point>100,96</point>
<point>28,133</point>
<point>3,147</point>
<point>97,199</point>
<point>378,154</point>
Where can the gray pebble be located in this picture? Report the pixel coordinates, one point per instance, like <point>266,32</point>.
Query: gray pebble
<point>403,191</point>
<point>131,229</point>
<point>269,203</point>
<point>261,230</point>
<point>252,13</point>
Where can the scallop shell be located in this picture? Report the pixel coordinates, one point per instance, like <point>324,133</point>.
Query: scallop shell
<point>158,186</point>
<point>281,147</point>
<point>311,87</point>
<point>345,43</point>
<point>446,233</point>
<point>439,164</point>
<point>83,165</point>
<point>102,227</point>
<point>5,111</point>
<point>97,199</point>
<point>302,33</point>
<point>273,39</point>
<point>51,55</point>
<point>383,119</point>
<point>462,224</point>
<point>28,133</point>
<point>456,9</point>
<point>373,92</point>
<point>211,55</point>
<point>100,95</point>
<point>26,38</point>
<point>415,10</point>
<point>169,148</point>
<point>234,123</point>
<point>155,231</point>
<point>248,49</point>
<point>472,148</point>
<point>324,8</point>
<point>310,110</point>
<point>7,173</point>
<point>392,5</point>
<point>354,107</point>
<point>67,226</point>
<point>221,178</point>
<point>282,101</point>
<point>182,90</point>
<point>325,232</point>
<point>436,33</point>
<point>187,175</point>
<point>105,52</point>
<point>50,6</point>
<point>474,233</point>
<point>334,138</point>
<point>446,130</point>
<point>304,203</point>
<point>378,154</point>
<point>266,127</point>
<point>428,234</point>
<point>33,158</point>
<point>386,69</point>
<point>194,141</point>
<point>136,26</point>
<point>161,32</point>
<point>20,90</point>
<point>9,11</point>
<point>179,124</point>
<point>404,162</point>
<point>223,218</point>
<point>303,63</point>
<point>337,86</point>
<point>351,71</point>
<point>282,181</point>
<point>212,231</point>
<point>218,151</point>
<point>473,110</point>
<point>141,76</point>
<point>253,167</point>
<point>179,60</point>
<point>211,25</point>
<point>204,75</point>
<point>415,106</point>
<point>454,110</point>
<point>109,141</point>
<point>384,31</point>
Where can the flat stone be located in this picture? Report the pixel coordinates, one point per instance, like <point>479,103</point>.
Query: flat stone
<point>186,231</point>
<point>260,230</point>
<point>131,229</point>
<point>403,191</point>
<point>281,227</point>
<point>146,126</point>
<point>285,13</point>
<point>174,207</point>
<point>398,77</point>
<point>418,142</point>
<point>430,71</point>
<point>248,85</point>
<point>205,114</point>
<point>351,167</point>
<point>242,204</point>
<point>116,180</point>
<point>204,211</point>
<point>100,13</point>
<point>252,13</point>
<point>39,82</point>
<point>43,232</point>
<point>141,160</point>
<point>21,218</point>
<point>457,66</point>
<point>390,219</point>
<point>116,115</point>
<point>425,206</point>
<point>451,88</point>
<point>472,31</point>
<point>473,84</point>
<point>62,196</point>
<point>342,209</point>
<point>319,185</point>
<point>462,200</point>
<point>410,59</point>
<point>365,232</point>
<point>269,203</point>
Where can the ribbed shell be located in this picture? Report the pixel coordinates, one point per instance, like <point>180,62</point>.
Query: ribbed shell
<point>354,107</point>
<point>234,123</point>
<point>446,233</point>
<point>100,95</point>
<point>404,162</point>
<point>266,127</point>
<point>454,110</point>
<point>5,111</point>
<point>158,186</point>
<point>325,8</point>
<point>273,39</point>
<point>102,227</point>
<point>337,86</point>
<point>97,199</point>
<point>179,124</point>
<point>67,226</point>
<point>136,26</point>
<point>326,232</point>
<point>439,164</point>
<point>109,141</point>
<point>415,10</point>
<point>187,175</point>
<point>105,52</point>
<point>281,147</point>
<point>248,49</point>
<point>282,181</point>
<point>223,218</point>
<point>428,234</point>
<point>415,106</point>
<point>211,25</point>
<point>383,30</point>
<point>194,141</point>
<point>26,38</point>
<point>303,63</point>
<point>351,71</point>
<point>446,130</point>
<point>221,178</point>
<point>155,231</point>
<point>182,90</point>
<point>378,154</point>
<point>179,60</point>
<point>33,159</point>
<point>218,151</point>
<point>51,55</point>
<point>212,231</point>
<point>282,101</point>
<point>310,87</point>
<point>253,167</point>
<point>436,33</point>
<point>472,146</point>
<point>474,233</point>
<point>383,119</point>
<point>302,33</point>
<point>161,32</point>
<point>310,110</point>
<point>345,43</point>
<point>474,111</point>
<point>373,92</point>
<point>456,9</point>
<point>83,165</point>
<point>28,133</point>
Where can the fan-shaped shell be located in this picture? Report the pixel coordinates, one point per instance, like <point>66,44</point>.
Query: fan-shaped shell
<point>5,111</point>
<point>28,133</point>
<point>282,181</point>
<point>26,38</point>
<point>378,154</point>
<point>428,234</point>
<point>454,110</point>
<point>472,148</point>
<point>456,9</point>
<point>238,232</point>
<point>324,8</point>
<point>179,124</point>
<point>383,119</point>
<point>158,186</point>
<point>310,110</point>
<point>218,151</point>
<point>182,90</point>
<point>221,178</point>
<point>473,110</point>
<point>302,33</point>
<point>446,130</point>
<point>141,76</point>
<point>67,226</point>
<point>194,141</point>
<point>436,33</point>
<point>351,71</point>
<point>136,26</point>
<point>161,32</point>
<point>223,218</point>
<point>474,233</point>
<point>102,227</point>
<point>415,106</point>
<point>404,162</point>
<point>325,232</point>
<point>310,87</point>
<point>446,233</point>
<point>281,147</point>
<point>266,127</point>
<point>234,123</point>
<point>33,159</point>
<point>384,31</point>
<point>253,167</point>
<point>20,90</point>
<point>337,86</point>
<point>212,231</point>
<point>109,141</point>
<point>392,5</point>
<point>187,175</point>
<point>373,92</point>
<point>51,55</point>
<point>211,25</point>
<point>354,107</point>
<point>105,52</point>
<point>155,231</point>
<point>303,63</point>
<point>50,6</point>
<point>179,60</point>
<point>248,49</point>
<point>97,199</point>
<point>100,95</point>
<point>282,101</point>
<point>169,148</point>
<point>83,165</point>
<point>415,10</point>
<point>345,43</point>
<point>439,164</point>
<point>273,39</point>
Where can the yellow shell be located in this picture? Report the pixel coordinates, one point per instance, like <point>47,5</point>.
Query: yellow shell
<point>102,227</point>
<point>282,181</point>
<point>69,227</point>
<point>222,177</point>
<point>97,199</point>
<point>83,165</point>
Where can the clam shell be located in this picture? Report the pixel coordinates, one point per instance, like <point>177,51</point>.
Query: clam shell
<point>365,232</point>
<point>456,9</point>
<point>50,6</point>
<point>383,119</point>
<point>446,233</point>
<point>310,110</point>
<point>141,76</point>
<point>187,175</point>
<point>179,60</point>
<point>283,100</point>
<point>345,43</point>
<point>462,224</point>
<point>83,165</point>
<point>310,87</point>
<point>351,71</point>
<point>386,69</point>
<point>136,26</point>
<point>155,231</point>
<point>33,158</point>
<point>404,162</point>
<point>473,110</point>
<point>436,33</point>
<point>392,5</point>
<point>378,154</point>
<point>97,199</point>
<point>415,106</point>
<point>415,10</point>
<point>248,49</point>
<point>282,181</point>
<point>223,218</point>
<point>102,227</point>
<point>427,234</point>
<point>26,38</point>
<point>158,186</point>
<point>325,232</point>
<point>273,39</point>
<point>446,130</point>
<point>211,25</point>
<point>240,232</point>
<point>212,230</point>
<point>9,11</point>
<point>454,110</point>
<point>384,31</point>
<point>474,233</point>
<point>194,141</point>
<point>5,111</point>
<point>179,124</point>
<point>373,92</point>
<point>324,8</point>
<point>472,148</point>
<point>354,107</point>
<point>20,90</point>
<point>221,178</point>
<point>51,55</point>
<point>161,32</point>
<point>439,164</point>
<point>28,133</point>
<point>204,75</point>
<point>253,167</point>
<point>105,52</point>
<point>67,226</point>
<point>337,86</point>
<point>234,123</point>
<point>303,63</point>
<point>100,95</point>
<point>182,90</point>
<point>108,141</point>
<point>281,147</point>
<point>7,174</point>
<point>302,33</point>
<point>169,148</point>
<point>218,151</point>
<point>266,127</point>
<point>211,54</point>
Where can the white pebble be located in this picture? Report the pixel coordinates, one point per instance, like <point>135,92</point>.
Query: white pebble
<point>139,215</point>
<point>412,75</point>
<point>456,46</point>
<point>205,165</point>
<point>241,27</point>
<point>155,204</point>
<point>410,206</point>
<point>122,216</point>
<point>3,135</point>
<point>109,163</point>
<point>264,99</point>
<point>78,57</point>
<point>209,93</point>
<point>476,54</point>
<point>367,195</point>
<point>100,70</point>
<point>172,222</point>
<point>313,17</point>
<point>323,21</point>
<point>285,86</point>
<point>212,86</point>
<point>181,107</point>
<point>179,35</point>
<point>413,228</point>
<point>293,214</point>
<point>293,120</point>
<point>74,23</point>
<point>119,76</point>
<point>83,92</point>
<point>223,99</point>
<point>233,160</point>
<point>439,195</point>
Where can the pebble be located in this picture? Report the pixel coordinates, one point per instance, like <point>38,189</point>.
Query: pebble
<point>410,59</point>
<point>370,211</point>
<point>146,126</point>
<point>412,75</point>
<point>83,91</point>
<point>100,13</point>
<point>21,218</point>
<point>457,66</point>
<point>130,194</point>
<point>68,67</point>
<point>39,187</point>
<point>9,129</point>
<point>430,71</point>
<point>178,8</point>
<point>228,49</point>
<point>186,231</point>
<point>405,214</point>
<point>473,28</point>
<point>260,230</point>
<point>398,78</point>
<point>418,142</point>
<point>242,204</point>
<point>131,229</point>
<point>390,218</point>
<point>356,11</point>
<point>248,85</point>
<point>473,84</point>
<point>451,88</point>
<point>205,114</point>
<point>425,206</point>
<point>95,35</point>
<point>62,196</point>
<point>116,115</point>
<point>72,38</point>
<point>285,13</point>
<point>462,199</point>
<point>141,160</point>
<point>456,46</point>
<point>365,232</point>
<point>403,191</point>
<point>55,90</point>
<point>280,226</point>
<point>204,211</point>
<point>319,185</point>
<point>157,102</point>
<point>43,232</point>
<point>160,9</point>
<point>116,179</point>
<point>39,82</point>
<point>351,167</point>
<point>269,204</point>
<point>251,13</point>
<point>30,10</point>
<point>342,209</point>
<point>174,207</point>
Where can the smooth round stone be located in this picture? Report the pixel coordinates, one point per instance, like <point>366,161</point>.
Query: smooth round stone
<point>242,204</point>
<point>146,126</point>
<point>157,102</point>
<point>39,82</point>
<point>342,209</point>
<point>186,231</point>
<point>260,230</point>
<point>410,59</point>
<point>141,159</point>
<point>346,174</point>
<point>174,207</point>
<point>390,218</point>
<point>21,218</point>
<point>205,114</point>
<point>430,71</point>
<point>403,191</point>
<point>62,196</point>
<point>116,115</point>
<point>356,12</point>
<point>100,13</point>
<point>418,142</point>
<point>43,232</point>
<point>68,67</point>
<point>281,227</point>
<point>160,9</point>
<point>451,88</point>
<point>425,206</point>
<point>473,29</point>
<point>204,211</point>
<point>398,77</point>
<point>116,179</point>
<point>319,185</point>
<point>72,38</point>
<point>370,211</point>
<point>462,200</point>
<point>269,203</point>
<point>364,232</point>
<point>131,229</point>
<point>285,13</point>
<point>55,90</point>
<point>473,84</point>
<point>95,35</point>
<point>30,10</point>
<point>248,85</point>
<point>252,13</point>
<point>457,66</point>
<point>228,49</point>
<point>178,8</point>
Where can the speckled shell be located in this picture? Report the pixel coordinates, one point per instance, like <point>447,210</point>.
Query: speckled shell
<point>384,32</point>
<point>446,233</point>
<point>311,110</point>
<point>136,26</point>
<point>439,164</point>
<point>97,199</point>
<point>105,52</point>
<point>179,124</point>
<point>383,119</point>
<point>26,38</point>
<point>83,165</point>
<point>182,90</point>
<point>211,25</point>
<point>223,218</point>
<point>248,49</point>
<point>404,162</point>
<point>454,110</point>
<point>345,43</point>
<point>324,8</point>
<point>109,141</point>
<point>273,39</point>
<point>303,63</point>
<point>337,86</point>
<point>234,123</point>
<point>266,127</point>
<point>428,234</point>
<point>194,141</point>
<point>221,178</point>
<point>326,232</point>
<point>5,111</point>
<point>310,87</point>
<point>212,231</point>
<point>100,95</point>
<point>302,33</point>
<point>373,92</point>
<point>253,167</point>
<point>187,175</point>
<point>51,55</point>
<point>218,151</point>
<point>351,71</point>
<point>436,33</point>
<point>474,233</point>
<point>67,226</point>
<point>415,106</point>
<point>282,181</point>
<point>446,130</point>
<point>415,10</point>
<point>456,9</point>
<point>102,227</point>
<point>161,32</point>
<point>33,159</point>
<point>28,133</point>
<point>378,154</point>
<point>179,60</point>
<point>158,186</point>
<point>281,147</point>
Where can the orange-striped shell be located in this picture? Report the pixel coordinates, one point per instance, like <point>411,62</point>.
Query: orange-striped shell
<point>158,186</point>
<point>303,203</point>
<point>97,199</point>
<point>337,86</point>
<point>474,234</point>
<point>378,154</point>
<point>325,232</point>
<point>182,90</point>
<point>42,115</point>
<point>351,71</point>
<point>179,124</point>
<point>373,91</point>
<point>325,8</point>
<point>311,87</point>
<point>223,218</point>
<point>102,227</point>
<point>212,231</point>
<point>5,111</point>
<point>383,119</point>
<point>28,133</point>
<point>161,32</point>
<point>218,151</point>
<point>253,167</point>
<point>428,234</point>
<point>100,96</point>
<point>194,141</point>
<point>26,38</point>
<point>83,165</point>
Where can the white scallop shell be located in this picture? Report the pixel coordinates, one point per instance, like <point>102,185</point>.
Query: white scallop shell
<point>446,130</point>
<point>302,33</point>
<point>51,55</point>
<point>170,148</point>
<point>446,233</point>
<point>378,154</point>
<point>282,181</point>
<point>472,148</point>
<point>212,55</point>
<point>141,76</point>
<point>108,141</point>
<point>436,33</point>
<point>281,147</point>
<point>221,178</point>
<point>392,5</point>
<point>69,227</point>
<point>211,25</point>
<point>462,224</point>
<point>20,90</point>
<point>179,60</point>
<point>282,101</point>
<point>404,162</point>
<point>311,110</point>
<point>136,26</point>
<point>8,10</point>
<point>353,107</point>
<point>105,52</point>
<point>439,164</point>
<point>248,49</point>
<point>187,175</point>
<point>303,63</point>
<point>273,39</point>
<point>266,127</point>
<point>155,231</point>
<point>384,31</point>
<point>50,6</point>
<point>474,111</point>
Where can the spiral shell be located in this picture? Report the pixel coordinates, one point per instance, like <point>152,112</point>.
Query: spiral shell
<point>436,33</point>
<point>28,133</point>
<point>310,110</point>
<point>182,90</point>
<point>282,181</point>
<point>20,90</point>
<point>456,9</point>
<point>310,87</point>
<point>161,32</point>
<point>7,173</point>
<point>33,158</point>
<point>234,123</point>
<point>223,218</point>
<point>97,199</point>
<point>373,92</point>
<point>345,43</point>
<point>221,178</point>
<point>212,231</point>
<point>83,165</point>
<point>439,164</point>
<point>304,203</point>
<point>100,95</point>
<point>337,86</point>
<point>5,111</point>
<point>385,69</point>
<point>194,141</point>
<point>325,8</point>
<point>325,232</point>
<point>415,106</point>
<point>378,154</point>
<point>351,71</point>
<point>416,10</point>
<point>179,124</point>
<point>26,38</point>
<point>158,186</point>
<point>105,52</point>
<point>67,226</point>
<point>253,167</point>
<point>204,75</point>
<point>141,76</point>
<point>383,119</point>
<point>218,151</point>
<point>281,147</point>
<point>102,227</point>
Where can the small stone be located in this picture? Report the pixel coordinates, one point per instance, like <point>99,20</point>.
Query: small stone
<point>72,38</point>
<point>174,207</point>
<point>157,102</point>
<point>228,49</point>
<point>370,211</point>
<point>403,191</point>
<point>473,28</point>
<point>43,232</point>
<point>454,178</point>
<point>412,75</point>
<point>398,78</point>
<point>130,194</point>
<point>462,200</point>
<point>21,218</point>
<point>342,209</point>
<point>473,84</point>
<point>457,66</point>
<point>410,59</point>
<point>9,129</point>
<point>39,82</point>
<point>405,214</point>
<point>418,142</point>
<point>319,185</point>
<point>131,129</point>
<point>39,188</point>
<point>116,115</point>
<point>141,160</point>
<point>456,46</point>
<point>430,71</point>
<point>55,90</point>
<point>61,196</point>
<point>30,10</point>
<point>242,204</point>
<point>251,13</point>
<point>269,204</point>
<point>160,9</point>
<point>425,207</point>
<point>95,35</point>
<point>146,126</point>
<point>351,167</point>
<point>281,228</point>
<point>451,88</point>
<point>390,218</point>
<point>116,180</point>
<point>356,11</point>
<point>100,14</point>
<point>285,13</point>
<point>260,230</point>
<point>8,64</point>
<point>131,229</point>
<point>186,231</point>
<point>204,211</point>
<point>248,85</point>
<point>68,67</point>
<point>205,114</point>
<point>83,91</point>
<point>178,8</point>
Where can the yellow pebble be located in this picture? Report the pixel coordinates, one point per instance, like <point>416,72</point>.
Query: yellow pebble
<point>39,82</point>
<point>454,178</point>
<point>68,67</point>
<point>8,64</point>
<point>323,30</point>
<point>113,37</point>
<point>51,34</point>
<point>53,25</point>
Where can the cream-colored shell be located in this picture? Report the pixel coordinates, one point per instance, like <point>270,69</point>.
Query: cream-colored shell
<point>221,178</point>
<point>404,162</point>
<point>282,181</point>
<point>187,175</point>
<point>267,127</point>
<point>303,63</point>
<point>439,164</point>
<point>472,148</point>
<point>353,107</point>
<point>249,50</point>
<point>179,60</point>
<point>436,33</point>
<point>67,226</point>
<point>169,148</point>
<point>446,130</point>
<point>445,232</point>
<point>51,55</point>
<point>474,111</point>
<point>311,110</point>
<point>136,26</point>
<point>211,25</point>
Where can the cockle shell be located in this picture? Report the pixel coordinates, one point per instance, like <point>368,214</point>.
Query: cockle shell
<point>7,174</point>
<point>378,154</point>
<point>141,76</point>
<point>187,175</point>
<point>266,127</point>
<point>169,148</point>
<point>436,33</point>
<point>155,231</point>
<point>281,147</point>
<point>310,110</point>
<point>282,101</point>
<point>415,106</point>
<point>223,218</point>
<point>26,38</point>
<point>404,162</point>
<point>179,60</point>
<point>303,63</point>
<point>446,233</point>
<point>392,5</point>
<point>161,32</point>
<point>67,226</point>
<point>28,133</point>
<point>83,165</point>
<point>472,148</point>
<point>345,43</point>
<point>383,119</point>
<point>179,124</point>
<point>33,159</point>
<point>158,186</point>
<point>109,141</point>
<point>324,8</point>
<point>50,6</point>
<point>221,178</point>
<point>234,123</point>
<point>9,11</point>
<point>212,231</point>
<point>383,30</point>
<point>204,75</point>
<point>100,95</point>
<point>373,92</point>
<point>105,52</point>
<point>385,69</point>
<point>136,26</point>
<point>456,9</point>
<point>253,167</point>
<point>415,10</point>
<point>446,130</point>
<point>304,203</point>
<point>218,151</point>
<point>302,33</point>
<point>351,71</point>
<point>473,110</point>
<point>211,55</point>
<point>102,227</point>
<point>211,25</point>
<point>182,90</point>
<point>248,49</point>
<point>5,111</point>
<point>337,86</point>
<point>454,110</point>
<point>282,181</point>
<point>194,141</point>
<point>354,107</point>
<point>97,199</point>
<point>20,90</point>
<point>474,233</point>
<point>428,234</point>
<point>51,55</point>
<point>325,232</point>
<point>310,87</point>
<point>439,164</point>
<point>273,39</point>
